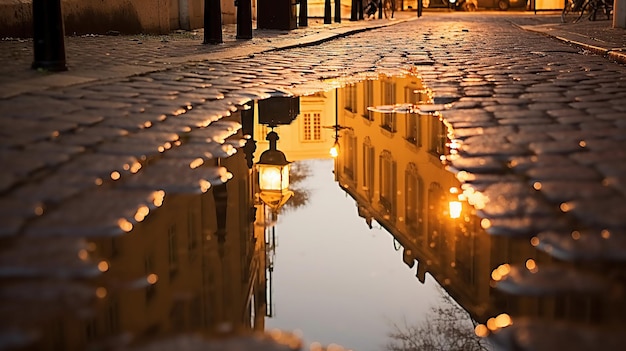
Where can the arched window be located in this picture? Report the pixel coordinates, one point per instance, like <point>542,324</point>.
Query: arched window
<point>413,203</point>
<point>436,203</point>
<point>388,184</point>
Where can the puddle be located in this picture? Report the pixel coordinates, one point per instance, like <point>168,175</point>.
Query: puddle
<point>362,249</point>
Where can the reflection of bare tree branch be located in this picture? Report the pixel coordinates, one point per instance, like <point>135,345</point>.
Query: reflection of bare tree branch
<point>298,172</point>
<point>446,327</point>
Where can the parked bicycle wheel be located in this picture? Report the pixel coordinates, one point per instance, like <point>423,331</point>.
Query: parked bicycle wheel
<point>571,11</point>
<point>389,7</point>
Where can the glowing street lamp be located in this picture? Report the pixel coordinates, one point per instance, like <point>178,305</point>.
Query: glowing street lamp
<point>273,171</point>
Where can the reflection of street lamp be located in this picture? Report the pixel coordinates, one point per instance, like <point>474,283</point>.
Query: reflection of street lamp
<point>273,171</point>
<point>455,207</point>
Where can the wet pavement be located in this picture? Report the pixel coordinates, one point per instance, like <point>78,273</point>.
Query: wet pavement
<point>537,121</point>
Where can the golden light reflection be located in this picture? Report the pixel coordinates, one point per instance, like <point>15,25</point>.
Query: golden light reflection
<point>101,292</point>
<point>152,278</point>
<point>481,331</point>
<point>605,234</point>
<point>531,265</point>
<point>501,272</point>
<point>205,185</point>
<point>455,207</point>
<point>565,207</point>
<point>503,320</point>
<point>485,223</point>
<point>98,181</point>
<point>83,255</point>
<point>534,241</point>
<point>582,143</point>
<point>115,175</point>
<point>125,225</point>
<point>103,266</point>
<point>576,235</point>
<point>135,167</point>
<point>141,214</point>
<point>334,151</point>
<point>158,198</point>
<point>39,210</point>
<point>148,124</point>
<point>537,185</point>
<point>491,324</point>
<point>196,163</point>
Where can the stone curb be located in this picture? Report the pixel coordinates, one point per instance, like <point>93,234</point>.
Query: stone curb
<point>612,54</point>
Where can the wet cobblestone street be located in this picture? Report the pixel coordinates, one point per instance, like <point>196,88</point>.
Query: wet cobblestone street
<point>538,125</point>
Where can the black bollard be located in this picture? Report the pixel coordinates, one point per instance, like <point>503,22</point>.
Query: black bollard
<point>304,14</point>
<point>244,19</point>
<point>327,17</point>
<point>338,11</point>
<point>48,36</point>
<point>360,9</point>
<point>354,14</point>
<point>380,9</point>
<point>420,7</point>
<point>212,22</point>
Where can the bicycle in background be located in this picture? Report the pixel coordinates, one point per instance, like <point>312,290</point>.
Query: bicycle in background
<point>575,10</point>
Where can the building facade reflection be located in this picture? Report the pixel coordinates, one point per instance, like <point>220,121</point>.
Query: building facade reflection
<point>391,165</point>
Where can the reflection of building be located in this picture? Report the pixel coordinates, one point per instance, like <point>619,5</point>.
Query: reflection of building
<point>306,137</point>
<point>192,265</point>
<point>390,164</point>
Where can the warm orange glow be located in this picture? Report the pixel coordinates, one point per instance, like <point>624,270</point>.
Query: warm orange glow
<point>158,197</point>
<point>101,292</point>
<point>575,235</point>
<point>83,254</point>
<point>537,185</point>
<point>485,223</point>
<point>481,331</point>
<point>334,151</point>
<point>503,320</point>
<point>534,241</point>
<point>605,234</point>
<point>273,178</point>
<point>204,185</point>
<point>141,214</point>
<point>196,163</point>
<point>152,278</point>
<point>531,265</point>
<point>125,225</point>
<point>98,181</point>
<point>103,266</point>
<point>115,175</point>
<point>491,324</point>
<point>456,207</point>
<point>565,207</point>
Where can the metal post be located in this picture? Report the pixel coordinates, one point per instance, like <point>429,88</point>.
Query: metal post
<point>212,22</point>
<point>244,19</point>
<point>304,14</point>
<point>48,36</point>
<point>380,9</point>
<point>327,17</point>
<point>420,7</point>
<point>360,9</point>
<point>354,15</point>
<point>338,11</point>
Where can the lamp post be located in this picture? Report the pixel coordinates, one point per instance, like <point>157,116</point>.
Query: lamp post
<point>273,173</point>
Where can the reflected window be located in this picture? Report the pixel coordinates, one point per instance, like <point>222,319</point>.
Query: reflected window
<point>350,98</point>
<point>413,202</point>
<point>415,95</point>
<point>388,122</point>
<point>368,168</point>
<point>389,92</point>
<point>312,126</point>
<point>388,183</point>
<point>437,136</point>
<point>349,166</point>
<point>413,129</point>
<point>435,216</point>
<point>368,99</point>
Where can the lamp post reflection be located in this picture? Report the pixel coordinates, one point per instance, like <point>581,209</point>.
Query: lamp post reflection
<point>273,176</point>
